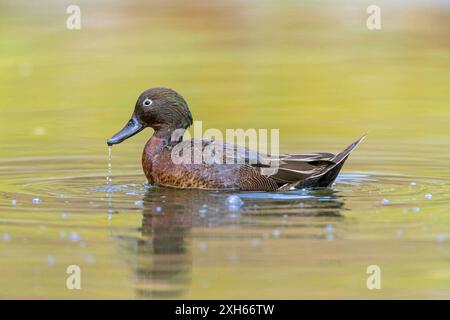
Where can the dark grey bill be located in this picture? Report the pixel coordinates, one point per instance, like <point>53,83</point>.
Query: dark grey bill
<point>132,127</point>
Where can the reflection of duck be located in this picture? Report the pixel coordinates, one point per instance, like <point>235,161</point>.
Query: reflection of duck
<point>163,258</point>
<point>229,166</point>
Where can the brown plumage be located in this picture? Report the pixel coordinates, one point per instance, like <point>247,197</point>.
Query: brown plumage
<point>230,167</point>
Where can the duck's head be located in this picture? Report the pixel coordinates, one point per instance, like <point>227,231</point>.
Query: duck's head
<point>162,109</point>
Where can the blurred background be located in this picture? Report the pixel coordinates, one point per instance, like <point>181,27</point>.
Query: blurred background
<point>310,68</point>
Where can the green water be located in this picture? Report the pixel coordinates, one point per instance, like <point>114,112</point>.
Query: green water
<point>312,70</point>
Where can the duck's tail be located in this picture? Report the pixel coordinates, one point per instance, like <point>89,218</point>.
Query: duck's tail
<point>325,177</point>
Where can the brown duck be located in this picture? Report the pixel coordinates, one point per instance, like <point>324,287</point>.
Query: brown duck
<point>168,114</point>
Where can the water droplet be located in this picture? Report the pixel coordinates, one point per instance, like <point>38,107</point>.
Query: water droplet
<point>234,201</point>
<point>203,246</point>
<point>204,206</point>
<point>139,203</point>
<point>413,184</point>
<point>158,209</point>
<point>14,202</point>
<point>428,196</point>
<point>276,233</point>
<point>36,201</point>
<point>329,228</point>
<point>384,201</point>
<point>233,208</point>
<point>440,238</point>
<point>416,209</point>
<point>6,237</point>
<point>202,212</point>
<point>64,215</point>
<point>74,237</point>
<point>400,233</point>
<point>50,260</point>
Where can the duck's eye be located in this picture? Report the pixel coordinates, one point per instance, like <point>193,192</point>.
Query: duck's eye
<point>147,102</point>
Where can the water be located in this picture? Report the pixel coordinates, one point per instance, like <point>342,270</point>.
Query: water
<point>330,79</point>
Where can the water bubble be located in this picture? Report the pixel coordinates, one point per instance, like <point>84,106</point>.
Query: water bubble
<point>384,201</point>
<point>202,212</point>
<point>413,184</point>
<point>233,208</point>
<point>234,200</point>
<point>416,209</point>
<point>276,233</point>
<point>74,237</point>
<point>158,209</point>
<point>329,228</point>
<point>203,246</point>
<point>6,237</point>
<point>64,215</point>
<point>14,202</point>
<point>139,203</point>
<point>234,203</point>
<point>36,201</point>
<point>428,196</point>
<point>50,260</point>
<point>204,206</point>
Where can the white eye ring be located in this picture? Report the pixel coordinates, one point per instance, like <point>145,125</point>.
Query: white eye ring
<point>147,102</point>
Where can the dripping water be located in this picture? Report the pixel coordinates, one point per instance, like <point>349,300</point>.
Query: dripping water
<point>109,177</point>
<point>109,183</point>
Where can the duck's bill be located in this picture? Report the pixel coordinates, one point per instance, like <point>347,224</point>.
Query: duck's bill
<point>131,128</point>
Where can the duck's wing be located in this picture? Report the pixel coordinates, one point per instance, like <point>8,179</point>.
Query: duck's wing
<point>315,170</point>
<point>296,167</point>
<point>218,152</point>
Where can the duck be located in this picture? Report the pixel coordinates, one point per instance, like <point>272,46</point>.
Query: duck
<point>240,168</point>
